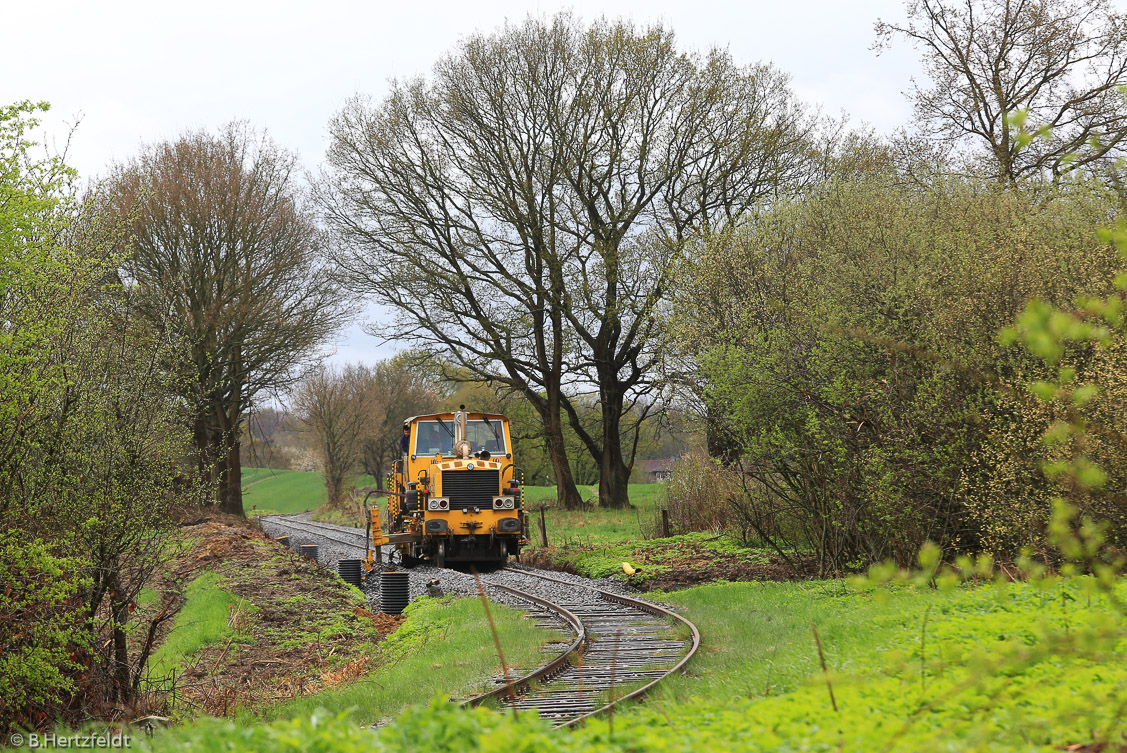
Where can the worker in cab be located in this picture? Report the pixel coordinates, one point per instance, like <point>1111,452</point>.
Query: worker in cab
<point>405,440</point>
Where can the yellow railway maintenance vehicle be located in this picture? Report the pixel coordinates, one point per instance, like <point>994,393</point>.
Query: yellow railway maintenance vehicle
<point>455,495</point>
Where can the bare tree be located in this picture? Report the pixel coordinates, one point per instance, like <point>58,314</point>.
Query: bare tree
<point>523,210</point>
<point>225,256</point>
<point>400,387</point>
<point>995,64</point>
<point>336,407</point>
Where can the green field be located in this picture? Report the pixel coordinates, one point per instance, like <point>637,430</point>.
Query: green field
<point>594,526</point>
<point>267,491</point>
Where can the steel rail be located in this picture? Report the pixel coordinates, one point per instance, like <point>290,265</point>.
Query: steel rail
<point>633,603</point>
<point>315,529</point>
<point>546,672</point>
<point>566,658</point>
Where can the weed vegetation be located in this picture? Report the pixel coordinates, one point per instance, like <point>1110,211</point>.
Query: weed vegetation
<point>1036,665</point>
<point>656,558</point>
<point>204,619</point>
<point>444,647</point>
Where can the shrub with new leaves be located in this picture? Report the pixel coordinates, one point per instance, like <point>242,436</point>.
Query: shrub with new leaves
<point>697,494</point>
<point>847,344</point>
<point>40,627</point>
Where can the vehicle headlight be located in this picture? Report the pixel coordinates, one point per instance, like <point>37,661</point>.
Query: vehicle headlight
<point>502,503</point>
<point>438,503</point>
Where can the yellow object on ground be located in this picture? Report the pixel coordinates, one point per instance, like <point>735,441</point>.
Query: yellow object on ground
<point>627,569</point>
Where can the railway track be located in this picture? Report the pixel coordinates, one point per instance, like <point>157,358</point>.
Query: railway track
<point>621,647</point>
<point>358,540</point>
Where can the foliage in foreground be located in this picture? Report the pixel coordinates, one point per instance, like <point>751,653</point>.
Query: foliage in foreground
<point>1007,666</point>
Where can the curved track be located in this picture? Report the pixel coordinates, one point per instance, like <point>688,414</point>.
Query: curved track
<point>631,646</point>
<point>622,646</point>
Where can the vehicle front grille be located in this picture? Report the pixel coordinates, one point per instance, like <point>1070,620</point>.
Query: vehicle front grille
<point>471,488</point>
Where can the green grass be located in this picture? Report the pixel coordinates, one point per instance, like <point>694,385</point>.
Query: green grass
<point>976,660</point>
<point>202,621</point>
<point>251,475</point>
<point>759,641</point>
<point>594,526</point>
<point>267,491</point>
<point>1007,667</point>
<point>148,597</point>
<point>654,558</point>
<point>445,646</point>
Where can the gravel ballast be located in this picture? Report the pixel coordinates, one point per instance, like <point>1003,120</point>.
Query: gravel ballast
<point>330,551</point>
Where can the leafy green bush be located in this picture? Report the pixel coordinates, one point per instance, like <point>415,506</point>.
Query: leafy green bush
<point>41,627</point>
<point>847,347</point>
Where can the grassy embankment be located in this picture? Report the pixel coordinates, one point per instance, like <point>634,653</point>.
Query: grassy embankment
<point>260,606</point>
<point>204,619</point>
<point>998,668</point>
<point>444,647</point>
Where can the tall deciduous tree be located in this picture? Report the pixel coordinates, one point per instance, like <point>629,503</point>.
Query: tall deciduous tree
<point>91,445</point>
<point>524,208</point>
<point>336,407</point>
<point>992,63</point>
<point>226,257</point>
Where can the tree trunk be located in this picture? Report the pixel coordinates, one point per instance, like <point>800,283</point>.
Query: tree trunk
<point>122,677</point>
<point>567,495</point>
<point>204,449</point>
<point>230,475</point>
<point>614,473</point>
<point>614,482</point>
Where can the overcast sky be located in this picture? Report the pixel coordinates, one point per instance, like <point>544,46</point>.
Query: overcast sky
<point>140,72</point>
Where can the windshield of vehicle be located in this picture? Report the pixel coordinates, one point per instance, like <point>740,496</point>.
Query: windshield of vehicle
<point>433,437</point>
<point>487,435</point>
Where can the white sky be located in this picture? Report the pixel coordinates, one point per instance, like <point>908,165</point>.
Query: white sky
<point>140,72</point>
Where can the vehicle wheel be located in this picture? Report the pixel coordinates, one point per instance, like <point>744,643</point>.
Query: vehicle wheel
<point>440,555</point>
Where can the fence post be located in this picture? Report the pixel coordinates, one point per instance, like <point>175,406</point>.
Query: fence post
<point>543,527</point>
<point>665,524</point>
